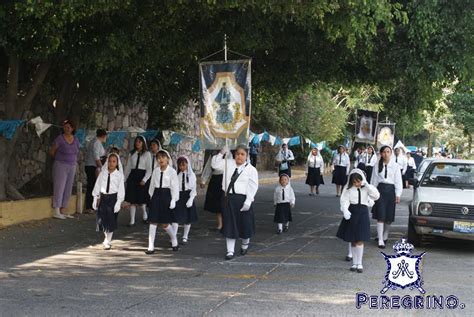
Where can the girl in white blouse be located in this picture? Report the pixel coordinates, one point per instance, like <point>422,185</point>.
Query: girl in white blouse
<point>214,193</point>
<point>388,180</point>
<point>355,227</point>
<point>164,193</point>
<point>240,184</point>
<point>315,169</point>
<point>185,212</point>
<point>283,199</point>
<point>108,195</point>
<point>371,160</point>
<point>341,164</point>
<point>137,172</point>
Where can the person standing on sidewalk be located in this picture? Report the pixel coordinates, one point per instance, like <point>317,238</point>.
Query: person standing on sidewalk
<point>95,156</point>
<point>240,185</point>
<point>64,151</point>
<point>253,150</point>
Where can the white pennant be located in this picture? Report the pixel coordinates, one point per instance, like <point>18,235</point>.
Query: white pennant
<point>40,126</point>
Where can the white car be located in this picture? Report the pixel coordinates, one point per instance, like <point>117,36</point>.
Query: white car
<point>443,201</point>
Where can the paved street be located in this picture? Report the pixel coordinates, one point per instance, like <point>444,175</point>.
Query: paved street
<point>56,267</point>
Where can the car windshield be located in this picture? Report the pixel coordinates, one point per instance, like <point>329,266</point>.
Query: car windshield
<point>458,175</point>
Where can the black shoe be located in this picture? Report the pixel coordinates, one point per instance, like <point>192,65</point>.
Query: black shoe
<point>353,268</point>
<point>243,251</point>
<point>149,252</point>
<point>285,228</point>
<point>229,256</point>
<point>385,241</point>
<point>130,225</point>
<point>184,242</point>
<point>348,258</point>
<point>279,231</point>
<point>360,270</point>
<point>145,222</point>
<point>381,246</point>
<point>176,248</point>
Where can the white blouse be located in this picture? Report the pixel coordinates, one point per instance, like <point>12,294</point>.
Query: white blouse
<point>116,185</point>
<point>368,193</point>
<point>144,164</point>
<point>401,160</point>
<point>168,179</point>
<point>208,171</point>
<point>411,162</point>
<point>246,184</point>
<point>189,183</point>
<point>393,176</point>
<point>285,156</point>
<point>289,195</point>
<point>315,162</point>
<point>341,160</point>
<point>370,159</point>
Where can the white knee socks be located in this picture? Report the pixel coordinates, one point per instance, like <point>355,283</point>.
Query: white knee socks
<point>245,244</point>
<point>109,236</point>
<point>280,226</point>
<point>186,231</point>
<point>386,231</point>
<point>358,251</point>
<point>133,210</point>
<point>349,254</point>
<point>380,232</point>
<point>171,233</point>
<point>151,237</point>
<point>230,245</point>
<point>145,214</point>
<point>175,227</point>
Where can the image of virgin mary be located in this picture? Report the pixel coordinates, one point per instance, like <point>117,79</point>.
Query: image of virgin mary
<point>224,115</point>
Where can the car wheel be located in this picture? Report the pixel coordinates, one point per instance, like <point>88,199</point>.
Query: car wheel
<point>413,237</point>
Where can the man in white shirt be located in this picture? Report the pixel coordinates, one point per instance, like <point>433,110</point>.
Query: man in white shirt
<point>95,153</point>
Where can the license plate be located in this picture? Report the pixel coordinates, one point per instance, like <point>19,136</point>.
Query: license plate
<point>463,227</point>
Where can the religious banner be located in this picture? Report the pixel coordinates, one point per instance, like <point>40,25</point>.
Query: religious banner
<point>385,134</point>
<point>366,126</point>
<point>225,99</point>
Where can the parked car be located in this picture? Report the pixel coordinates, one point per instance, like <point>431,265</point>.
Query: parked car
<point>420,169</point>
<point>443,201</point>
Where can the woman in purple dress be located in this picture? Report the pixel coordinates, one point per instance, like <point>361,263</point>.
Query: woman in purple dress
<point>64,151</point>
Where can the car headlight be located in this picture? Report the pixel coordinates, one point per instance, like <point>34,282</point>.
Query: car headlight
<point>425,209</point>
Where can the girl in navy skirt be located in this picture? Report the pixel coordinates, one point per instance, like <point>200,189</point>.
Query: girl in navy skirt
<point>155,146</point>
<point>108,195</point>
<point>355,227</point>
<point>240,185</point>
<point>137,173</point>
<point>388,180</point>
<point>314,175</point>
<point>341,164</point>
<point>186,211</point>
<point>283,199</point>
<point>284,159</point>
<point>164,193</point>
<point>371,161</point>
<point>213,200</point>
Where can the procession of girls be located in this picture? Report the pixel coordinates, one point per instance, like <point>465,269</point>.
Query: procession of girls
<point>165,196</point>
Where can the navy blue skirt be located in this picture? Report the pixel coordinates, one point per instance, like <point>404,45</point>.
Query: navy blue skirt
<point>237,224</point>
<point>214,194</point>
<point>282,213</point>
<point>410,173</point>
<point>106,219</point>
<point>357,228</point>
<point>285,171</point>
<point>160,211</point>
<point>135,193</point>
<point>384,208</point>
<point>314,177</point>
<point>182,214</point>
<point>339,175</point>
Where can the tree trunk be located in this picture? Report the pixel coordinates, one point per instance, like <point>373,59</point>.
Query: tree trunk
<point>430,145</point>
<point>16,108</point>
